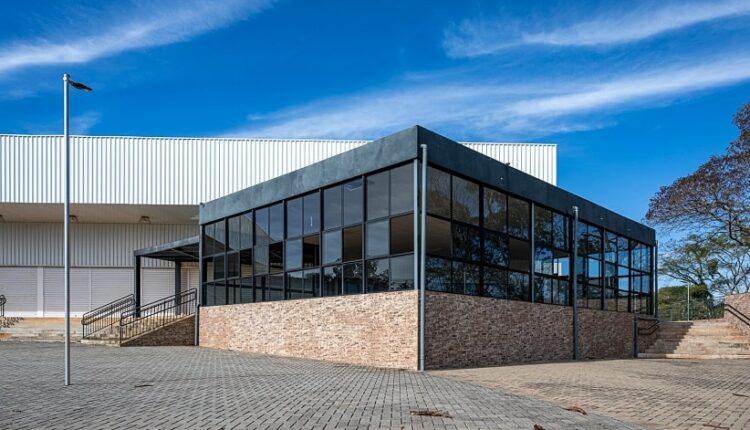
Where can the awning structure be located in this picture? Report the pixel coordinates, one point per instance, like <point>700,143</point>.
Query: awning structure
<point>180,251</point>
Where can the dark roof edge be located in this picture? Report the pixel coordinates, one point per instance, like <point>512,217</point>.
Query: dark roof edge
<point>378,154</point>
<point>453,156</point>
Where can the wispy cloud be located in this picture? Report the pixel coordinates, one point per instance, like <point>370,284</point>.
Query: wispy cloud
<point>156,25</point>
<point>474,38</point>
<point>82,124</point>
<point>491,110</point>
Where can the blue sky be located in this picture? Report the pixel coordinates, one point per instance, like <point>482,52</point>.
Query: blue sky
<point>635,93</point>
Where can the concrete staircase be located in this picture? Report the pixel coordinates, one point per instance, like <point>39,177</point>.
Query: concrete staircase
<point>698,340</point>
<point>39,329</point>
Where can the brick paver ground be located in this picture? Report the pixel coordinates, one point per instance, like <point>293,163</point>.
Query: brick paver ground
<point>187,387</point>
<point>662,394</point>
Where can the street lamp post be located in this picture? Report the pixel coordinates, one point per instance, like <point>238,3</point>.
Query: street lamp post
<point>67,82</point>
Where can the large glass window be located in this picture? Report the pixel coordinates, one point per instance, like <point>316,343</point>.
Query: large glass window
<point>353,243</point>
<point>438,192</point>
<point>332,278</point>
<point>465,201</point>
<point>233,233</point>
<point>438,237</point>
<point>402,189</point>
<point>294,218</point>
<point>311,209</point>
<point>402,272</point>
<point>495,210</point>
<point>332,247</point>
<point>402,234</point>
<point>377,195</point>
<point>293,254</point>
<point>353,278</point>
<point>311,251</point>
<point>261,227</point>
<point>276,220</point>
<point>246,230</point>
<point>518,218</point>
<point>465,278</point>
<point>332,207</point>
<point>353,201</point>
<point>377,238</point>
<point>276,257</point>
<point>466,242</point>
<point>438,274</point>
<point>378,275</point>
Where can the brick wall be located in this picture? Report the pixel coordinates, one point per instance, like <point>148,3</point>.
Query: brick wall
<point>737,311</point>
<point>466,331</point>
<point>178,333</point>
<point>366,329</point>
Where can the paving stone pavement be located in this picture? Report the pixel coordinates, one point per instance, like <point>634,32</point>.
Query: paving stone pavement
<point>660,394</point>
<point>188,387</point>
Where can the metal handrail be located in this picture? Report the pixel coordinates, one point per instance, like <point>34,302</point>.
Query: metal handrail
<point>157,314</point>
<point>651,329</point>
<point>106,316</point>
<point>694,309</point>
<point>2,305</point>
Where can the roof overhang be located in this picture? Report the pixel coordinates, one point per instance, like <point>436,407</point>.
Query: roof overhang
<point>180,251</point>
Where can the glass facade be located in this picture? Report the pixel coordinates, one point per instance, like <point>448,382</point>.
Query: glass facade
<point>350,238</point>
<point>358,237</point>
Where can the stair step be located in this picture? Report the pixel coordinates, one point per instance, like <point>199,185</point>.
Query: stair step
<point>695,356</point>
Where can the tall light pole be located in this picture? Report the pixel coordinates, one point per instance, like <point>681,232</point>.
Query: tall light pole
<point>67,82</point>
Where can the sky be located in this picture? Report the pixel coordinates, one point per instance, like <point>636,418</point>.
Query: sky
<point>635,94</point>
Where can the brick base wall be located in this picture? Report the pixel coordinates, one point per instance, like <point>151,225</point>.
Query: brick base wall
<point>368,329</point>
<point>178,333</point>
<point>467,331</point>
<point>737,311</point>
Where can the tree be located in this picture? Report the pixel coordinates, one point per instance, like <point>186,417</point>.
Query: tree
<point>714,263</point>
<point>715,199</point>
<point>709,210</point>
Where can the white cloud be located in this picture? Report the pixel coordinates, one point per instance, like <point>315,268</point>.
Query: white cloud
<point>475,38</point>
<point>154,26</point>
<point>82,124</point>
<point>493,110</point>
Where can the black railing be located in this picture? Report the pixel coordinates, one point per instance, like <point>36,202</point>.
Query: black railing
<point>694,309</point>
<point>106,316</point>
<point>157,314</point>
<point>2,305</point>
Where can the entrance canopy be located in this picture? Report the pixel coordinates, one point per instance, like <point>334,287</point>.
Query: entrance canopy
<point>178,252</point>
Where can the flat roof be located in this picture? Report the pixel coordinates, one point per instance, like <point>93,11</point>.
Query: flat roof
<point>441,152</point>
<point>179,251</point>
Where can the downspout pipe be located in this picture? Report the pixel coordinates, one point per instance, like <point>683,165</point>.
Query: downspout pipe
<point>422,256</point>
<point>576,354</point>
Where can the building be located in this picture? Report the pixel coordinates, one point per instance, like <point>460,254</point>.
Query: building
<point>131,193</point>
<point>414,251</point>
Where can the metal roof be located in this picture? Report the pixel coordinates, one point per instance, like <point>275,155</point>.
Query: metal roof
<point>127,170</point>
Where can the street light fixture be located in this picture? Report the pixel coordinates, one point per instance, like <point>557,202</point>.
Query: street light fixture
<point>67,82</point>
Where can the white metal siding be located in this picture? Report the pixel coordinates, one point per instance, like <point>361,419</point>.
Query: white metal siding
<point>156,284</point>
<point>185,171</point>
<point>18,284</point>
<point>109,284</point>
<point>92,245</point>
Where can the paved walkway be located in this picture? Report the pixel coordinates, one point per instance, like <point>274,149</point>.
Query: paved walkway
<point>662,394</point>
<point>187,387</point>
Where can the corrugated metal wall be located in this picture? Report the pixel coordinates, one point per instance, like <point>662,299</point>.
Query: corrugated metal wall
<point>92,245</point>
<point>185,171</point>
<point>38,291</point>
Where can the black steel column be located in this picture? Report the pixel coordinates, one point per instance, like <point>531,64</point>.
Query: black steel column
<point>177,286</point>
<point>137,284</point>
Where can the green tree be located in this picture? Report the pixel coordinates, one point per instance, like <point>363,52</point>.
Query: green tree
<point>708,212</point>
